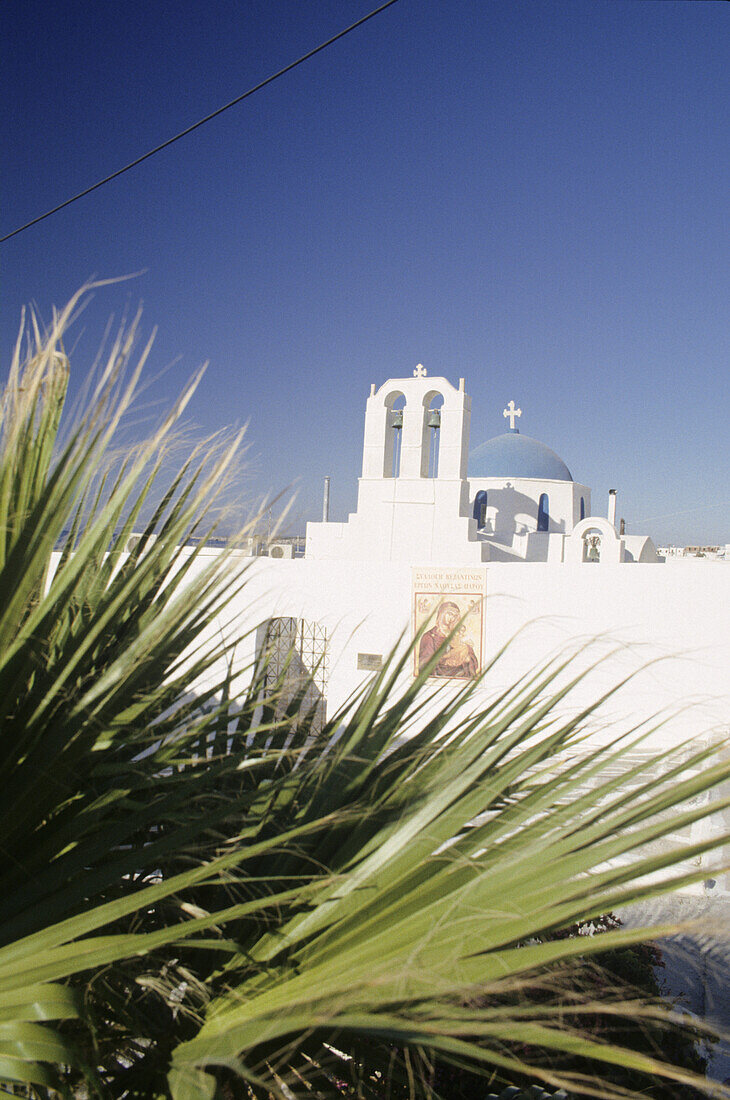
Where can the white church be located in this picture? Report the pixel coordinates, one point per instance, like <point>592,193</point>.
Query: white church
<point>505,544</point>
<point>422,496</point>
<point>504,541</point>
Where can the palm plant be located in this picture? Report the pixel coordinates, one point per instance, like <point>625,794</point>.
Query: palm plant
<point>205,896</point>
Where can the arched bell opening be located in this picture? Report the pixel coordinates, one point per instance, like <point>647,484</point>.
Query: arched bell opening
<point>592,545</point>
<point>432,405</point>
<point>395,403</point>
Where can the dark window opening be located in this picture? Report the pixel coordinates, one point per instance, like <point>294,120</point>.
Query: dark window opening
<point>543,513</point>
<point>480,508</point>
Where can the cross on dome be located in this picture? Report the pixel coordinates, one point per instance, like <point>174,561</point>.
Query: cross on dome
<point>511,412</point>
<point>420,371</point>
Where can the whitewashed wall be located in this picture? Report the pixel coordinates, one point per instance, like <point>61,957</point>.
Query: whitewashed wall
<point>666,628</point>
<point>673,624</point>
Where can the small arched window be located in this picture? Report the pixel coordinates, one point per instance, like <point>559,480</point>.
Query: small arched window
<point>582,508</point>
<point>543,513</point>
<point>480,508</point>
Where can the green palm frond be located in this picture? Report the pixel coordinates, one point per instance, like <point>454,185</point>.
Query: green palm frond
<point>99,651</point>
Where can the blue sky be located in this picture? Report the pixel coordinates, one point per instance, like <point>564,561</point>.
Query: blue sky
<point>530,195</point>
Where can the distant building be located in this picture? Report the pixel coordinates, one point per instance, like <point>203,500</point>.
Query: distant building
<point>710,553</point>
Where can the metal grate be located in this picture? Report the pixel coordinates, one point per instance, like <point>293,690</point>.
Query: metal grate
<point>296,656</point>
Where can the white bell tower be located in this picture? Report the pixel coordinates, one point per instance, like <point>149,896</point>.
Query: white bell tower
<point>413,496</point>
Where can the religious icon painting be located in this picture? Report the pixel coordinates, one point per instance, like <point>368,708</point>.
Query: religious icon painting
<point>448,619</point>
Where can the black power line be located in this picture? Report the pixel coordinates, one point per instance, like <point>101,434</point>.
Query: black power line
<point>200,122</point>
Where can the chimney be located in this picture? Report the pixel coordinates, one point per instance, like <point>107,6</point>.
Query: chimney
<point>326,501</point>
<point>622,527</point>
<point>612,506</point>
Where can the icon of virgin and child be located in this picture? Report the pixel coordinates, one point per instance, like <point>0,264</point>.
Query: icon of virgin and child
<point>458,659</point>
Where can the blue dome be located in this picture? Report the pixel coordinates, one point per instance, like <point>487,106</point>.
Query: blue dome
<point>516,455</point>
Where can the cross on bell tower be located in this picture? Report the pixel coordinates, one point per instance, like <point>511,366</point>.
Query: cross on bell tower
<point>511,412</point>
<point>420,371</point>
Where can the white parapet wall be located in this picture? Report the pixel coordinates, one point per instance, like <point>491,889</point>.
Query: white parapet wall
<point>671,623</point>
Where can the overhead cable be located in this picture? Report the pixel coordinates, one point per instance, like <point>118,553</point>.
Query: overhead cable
<point>200,122</point>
